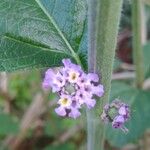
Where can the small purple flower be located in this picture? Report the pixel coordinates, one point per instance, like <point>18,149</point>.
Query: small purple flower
<point>98,90</point>
<point>74,87</point>
<point>90,103</point>
<point>60,111</point>
<point>118,113</point>
<point>47,83</point>
<point>53,80</point>
<point>92,77</point>
<point>118,121</point>
<point>74,113</point>
<point>64,103</point>
<point>124,111</point>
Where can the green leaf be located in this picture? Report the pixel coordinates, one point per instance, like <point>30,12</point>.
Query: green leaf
<point>139,122</point>
<point>8,125</point>
<point>54,126</point>
<point>146,50</point>
<point>66,146</point>
<point>39,33</point>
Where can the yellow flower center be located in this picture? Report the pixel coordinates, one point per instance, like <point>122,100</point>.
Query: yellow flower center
<point>73,76</point>
<point>64,101</point>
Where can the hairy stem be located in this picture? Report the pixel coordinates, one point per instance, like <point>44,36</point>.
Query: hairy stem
<point>92,120</point>
<point>137,42</point>
<point>101,52</point>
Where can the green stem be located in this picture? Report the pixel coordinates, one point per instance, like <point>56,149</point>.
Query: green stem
<point>103,48</point>
<point>137,42</point>
<point>92,120</point>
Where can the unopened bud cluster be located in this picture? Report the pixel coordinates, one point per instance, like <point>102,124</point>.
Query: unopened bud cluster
<point>116,113</point>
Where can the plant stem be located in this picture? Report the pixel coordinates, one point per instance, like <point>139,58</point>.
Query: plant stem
<point>101,52</point>
<point>137,42</point>
<point>92,120</point>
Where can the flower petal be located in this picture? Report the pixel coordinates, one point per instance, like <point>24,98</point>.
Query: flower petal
<point>98,90</point>
<point>93,77</point>
<point>122,110</point>
<point>75,113</point>
<point>90,103</point>
<point>49,75</point>
<point>60,111</point>
<point>118,121</point>
<point>66,62</point>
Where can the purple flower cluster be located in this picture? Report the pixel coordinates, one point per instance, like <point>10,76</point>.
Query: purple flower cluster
<point>117,113</point>
<point>74,87</point>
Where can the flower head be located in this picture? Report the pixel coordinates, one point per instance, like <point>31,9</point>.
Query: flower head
<point>74,87</point>
<point>117,113</point>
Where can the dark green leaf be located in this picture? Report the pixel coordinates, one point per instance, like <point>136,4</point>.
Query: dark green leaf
<point>36,33</point>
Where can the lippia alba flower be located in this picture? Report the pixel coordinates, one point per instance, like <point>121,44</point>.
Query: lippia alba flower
<point>117,113</point>
<point>74,87</point>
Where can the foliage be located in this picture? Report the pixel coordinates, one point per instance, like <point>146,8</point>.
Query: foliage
<point>35,34</point>
<point>61,147</point>
<point>39,34</point>
<point>9,125</point>
<point>30,81</point>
